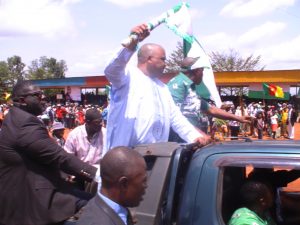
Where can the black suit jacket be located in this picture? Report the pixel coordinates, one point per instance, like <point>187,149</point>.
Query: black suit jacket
<point>97,212</point>
<point>293,118</point>
<point>32,190</point>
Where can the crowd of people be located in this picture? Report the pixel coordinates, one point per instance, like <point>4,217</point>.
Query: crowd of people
<point>269,121</point>
<point>45,179</point>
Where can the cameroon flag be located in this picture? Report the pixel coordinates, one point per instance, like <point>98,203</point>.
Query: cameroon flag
<point>273,90</point>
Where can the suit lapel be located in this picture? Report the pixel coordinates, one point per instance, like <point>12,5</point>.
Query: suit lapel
<point>109,211</point>
<point>129,218</point>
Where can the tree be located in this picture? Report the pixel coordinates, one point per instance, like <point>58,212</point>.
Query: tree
<point>220,62</point>
<point>4,72</point>
<point>46,68</point>
<point>234,62</point>
<point>175,58</point>
<point>16,70</point>
<point>10,72</point>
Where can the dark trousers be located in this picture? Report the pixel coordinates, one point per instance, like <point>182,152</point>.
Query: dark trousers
<point>260,133</point>
<point>234,131</point>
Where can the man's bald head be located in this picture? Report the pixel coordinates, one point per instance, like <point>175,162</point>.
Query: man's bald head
<point>152,60</point>
<point>118,162</point>
<point>146,51</point>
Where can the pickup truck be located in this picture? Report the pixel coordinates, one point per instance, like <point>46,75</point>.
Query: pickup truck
<point>187,187</point>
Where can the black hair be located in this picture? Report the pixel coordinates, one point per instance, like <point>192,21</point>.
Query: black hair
<point>117,162</point>
<point>252,191</point>
<point>92,114</point>
<point>22,87</point>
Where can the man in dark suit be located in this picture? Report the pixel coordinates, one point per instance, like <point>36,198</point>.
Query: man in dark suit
<point>124,180</point>
<point>32,190</point>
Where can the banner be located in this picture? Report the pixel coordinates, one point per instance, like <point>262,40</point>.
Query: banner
<point>180,23</point>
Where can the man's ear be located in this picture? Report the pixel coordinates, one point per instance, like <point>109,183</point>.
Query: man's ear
<point>22,101</point>
<point>123,183</point>
<point>262,201</point>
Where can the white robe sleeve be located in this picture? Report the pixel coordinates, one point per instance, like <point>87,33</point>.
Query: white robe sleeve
<point>115,71</point>
<point>181,125</point>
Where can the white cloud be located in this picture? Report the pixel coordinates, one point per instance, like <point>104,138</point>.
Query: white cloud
<point>195,13</point>
<point>132,3</point>
<point>285,55</point>
<point>90,63</point>
<point>266,30</point>
<point>251,8</point>
<point>48,18</point>
<point>218,42</point>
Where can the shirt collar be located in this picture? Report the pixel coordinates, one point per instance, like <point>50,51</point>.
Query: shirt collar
<point>120,210</point>
<point>85,134</point>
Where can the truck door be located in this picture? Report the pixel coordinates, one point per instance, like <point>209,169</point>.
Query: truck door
<point>211,191</point>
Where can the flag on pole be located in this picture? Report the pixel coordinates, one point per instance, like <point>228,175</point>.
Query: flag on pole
<point>155,22</point>
<point>180,22</point>
<point>273,90</point>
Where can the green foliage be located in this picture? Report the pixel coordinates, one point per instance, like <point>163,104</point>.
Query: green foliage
<point>10,72</point>
<point>4,71</point>
<point>46,68</point>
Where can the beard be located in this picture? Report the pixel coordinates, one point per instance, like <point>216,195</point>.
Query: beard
<point>35,108</point>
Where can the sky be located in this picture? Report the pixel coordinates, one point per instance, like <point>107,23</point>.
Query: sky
<point>85,33</point>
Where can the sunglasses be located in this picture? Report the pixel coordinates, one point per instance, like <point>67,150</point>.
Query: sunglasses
<point>37,94</point>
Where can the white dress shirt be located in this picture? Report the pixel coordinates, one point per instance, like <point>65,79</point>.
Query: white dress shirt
<point>78,144</point>
<point>141,108</point>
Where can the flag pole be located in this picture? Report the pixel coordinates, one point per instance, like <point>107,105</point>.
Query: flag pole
<point>155,23</point>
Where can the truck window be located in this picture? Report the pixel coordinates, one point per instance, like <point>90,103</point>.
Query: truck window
<point>281,177</point>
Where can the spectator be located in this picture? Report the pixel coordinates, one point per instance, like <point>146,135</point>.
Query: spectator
<point>274,124</point>
<point>58,131</point>
<point>259,124</point>
<point>234,126</point>
<point>86,141</point>
<point>141,107</point>
<point>32,189</point>
<point>79,116</point>
<point>284,119</point>
<point>257,199</point>
<point>49,111</point>
<point>124,180</point>
<point>292,117</point>
<point>60,113</point>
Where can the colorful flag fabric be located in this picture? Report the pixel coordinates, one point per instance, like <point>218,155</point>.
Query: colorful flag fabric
<point>273,90</point>
<point>180,22</point>
<point>7,96</point>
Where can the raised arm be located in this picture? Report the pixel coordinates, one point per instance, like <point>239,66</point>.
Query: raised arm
<point>115,71</point>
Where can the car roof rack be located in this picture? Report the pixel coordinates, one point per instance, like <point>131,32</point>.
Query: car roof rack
<point>247,139</point>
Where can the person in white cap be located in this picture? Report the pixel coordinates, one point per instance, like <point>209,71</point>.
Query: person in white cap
<point>58,131</point>
<point>183,91</point>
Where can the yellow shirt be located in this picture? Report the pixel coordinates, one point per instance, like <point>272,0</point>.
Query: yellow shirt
<point>284,116</point>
